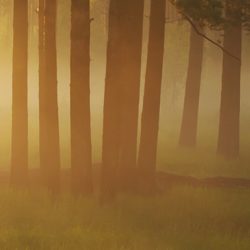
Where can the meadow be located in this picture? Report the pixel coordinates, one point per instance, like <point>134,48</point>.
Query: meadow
<point>180,218</point>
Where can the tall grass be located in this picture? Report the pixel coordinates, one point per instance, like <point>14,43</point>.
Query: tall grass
<point>182,218</point>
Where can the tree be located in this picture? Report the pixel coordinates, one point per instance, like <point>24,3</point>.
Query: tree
<point>80,98</point>
<point>42,97</point>
<point>122,83</point>
<point>49,126</point>
<point>112,104</point>
<point>152,94</point>
<point>191,104</point>
<point>237,17</point>
<point>19,150</point>
<point>130,88</point>
<point>228,140</point>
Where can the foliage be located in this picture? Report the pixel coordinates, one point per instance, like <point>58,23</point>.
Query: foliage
<point>216,13</point>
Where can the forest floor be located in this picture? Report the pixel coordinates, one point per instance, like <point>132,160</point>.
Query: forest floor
<point>189,214</point>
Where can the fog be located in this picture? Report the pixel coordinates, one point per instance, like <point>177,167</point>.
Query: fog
<point>175,68</point>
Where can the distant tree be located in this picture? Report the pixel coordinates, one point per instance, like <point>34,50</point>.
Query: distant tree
<point>152,94</point>
<point>188,132</point>
<point>80,98</point>
<point>231,16</point>
<point>49,126</point>
<point>19,149</point>
<point>229,127</point>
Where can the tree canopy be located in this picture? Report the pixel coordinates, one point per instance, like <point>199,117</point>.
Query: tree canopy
<point>216,14</point>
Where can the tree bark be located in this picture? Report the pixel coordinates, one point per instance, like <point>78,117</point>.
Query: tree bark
<point>152,96</point>
<point>19,150</point>
<point>228,140</point>
<point>81,182</point>
<point>49,126</point>
<point>189,125</point>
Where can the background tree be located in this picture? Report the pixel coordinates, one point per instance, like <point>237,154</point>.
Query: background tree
<point>189,125</point>
<point>152,94</point>
<point>80,97</point>
<point>229,127</point>
<point>19,150</point>
<point>49,126</point>
<point>211,13</point>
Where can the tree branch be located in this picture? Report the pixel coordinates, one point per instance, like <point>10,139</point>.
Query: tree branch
<point>204,35</point>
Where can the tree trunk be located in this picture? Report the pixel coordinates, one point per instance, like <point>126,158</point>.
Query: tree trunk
<point>132,53</point>
<point>80,98</point>
<point>228,140</point>
<point>121,95</point>
<point>42,88</point>
<point>189,125</point>
<point>112,104</point>
<point>152,95</point>
<point>49,134</point>
<point>19,150</point>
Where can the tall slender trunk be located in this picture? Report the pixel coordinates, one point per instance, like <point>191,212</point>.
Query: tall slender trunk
<point>228,140</point>
<point>42,88</point>
<point>152,95</point>
<point>112,104</point>
<point>19,150</point>
<point>49,126</point>
<point>80,98</point>
<point>189,125</point>
<point>132,53</point>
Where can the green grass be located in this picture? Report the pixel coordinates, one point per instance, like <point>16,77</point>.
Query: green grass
<point>182,218</point>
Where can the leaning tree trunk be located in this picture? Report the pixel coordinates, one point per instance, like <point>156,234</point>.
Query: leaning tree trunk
<point>132,53</point>
<point>49,135</point>
<point>80,98</point>
<point>19,150</point>
<point>228,140</point>
<point>152,94</point>
<point>188,132</point>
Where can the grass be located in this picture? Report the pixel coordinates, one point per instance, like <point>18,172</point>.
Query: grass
<point>182,218</point>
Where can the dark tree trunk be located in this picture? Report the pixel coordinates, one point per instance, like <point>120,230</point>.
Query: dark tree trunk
<point>152,94</point>
<point>19,151</point>
<point>49,135</point>
<point>112,104</point>
<point>132,53</point>
<point>80,98</point>
<point>189,125</point>
<point>228,141</point>
<point>121,95</point>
